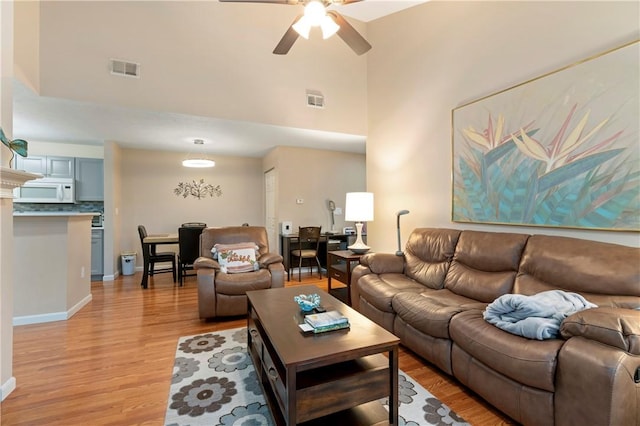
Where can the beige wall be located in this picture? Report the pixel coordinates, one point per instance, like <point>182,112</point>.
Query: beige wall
<point>315,176</point>
<point>148,181</point>
<point>261,87</point>
<point>112,208</point>
<point>65,149</point>
<point>7,381</point>
<point>27,43</point>
<point>437,56</point>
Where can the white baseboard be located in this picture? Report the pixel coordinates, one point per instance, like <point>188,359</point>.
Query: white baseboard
<point>110,277</point>
<point>53,316</point>
<point>81,304</point>
<point>7,387</point>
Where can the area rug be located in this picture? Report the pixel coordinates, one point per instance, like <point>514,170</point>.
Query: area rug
<point>214,384</point>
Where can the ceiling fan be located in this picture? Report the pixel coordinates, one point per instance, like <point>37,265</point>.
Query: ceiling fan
<point>316,14</point>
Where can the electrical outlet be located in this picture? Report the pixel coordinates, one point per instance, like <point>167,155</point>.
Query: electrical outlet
<point>338,211</point>
<point>82,272</point>
<point>299,200</point>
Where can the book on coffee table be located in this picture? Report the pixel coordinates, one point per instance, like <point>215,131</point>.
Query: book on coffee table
<point>326,319</point>
<point>340,326</point>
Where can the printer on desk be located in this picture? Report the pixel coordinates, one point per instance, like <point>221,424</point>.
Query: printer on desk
<point>349,230</point>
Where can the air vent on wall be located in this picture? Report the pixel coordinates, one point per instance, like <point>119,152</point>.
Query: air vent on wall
<point>124,68</point>
<point>315,99</point>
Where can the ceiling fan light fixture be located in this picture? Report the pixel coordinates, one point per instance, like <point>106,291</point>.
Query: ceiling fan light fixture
<point>329,27</point>
<point>315,12</point>
<point>302,27</point>
<point>315,15</point>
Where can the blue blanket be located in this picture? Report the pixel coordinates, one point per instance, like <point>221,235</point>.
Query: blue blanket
<point>535,317</point>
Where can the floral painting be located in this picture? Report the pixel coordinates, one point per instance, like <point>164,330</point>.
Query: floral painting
<point>562,150</point>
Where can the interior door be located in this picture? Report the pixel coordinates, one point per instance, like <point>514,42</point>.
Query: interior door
<point>271,222</point>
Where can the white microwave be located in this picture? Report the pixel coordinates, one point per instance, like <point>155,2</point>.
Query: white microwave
<point>46,190</point>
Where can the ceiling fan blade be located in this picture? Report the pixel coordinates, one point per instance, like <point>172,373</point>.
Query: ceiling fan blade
<point>349,34</point>
<point>287,39</point>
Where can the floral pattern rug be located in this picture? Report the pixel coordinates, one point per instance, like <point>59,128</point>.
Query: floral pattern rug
<point>214,384</point>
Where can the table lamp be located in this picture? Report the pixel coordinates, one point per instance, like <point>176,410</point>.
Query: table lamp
<point>359,208</point>
<point>400,213</point>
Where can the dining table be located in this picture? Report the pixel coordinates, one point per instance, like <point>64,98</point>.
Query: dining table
<point>148,244</point>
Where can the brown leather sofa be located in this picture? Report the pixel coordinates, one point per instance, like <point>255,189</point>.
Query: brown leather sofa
<point>223,294</point>
<point>434,296</point>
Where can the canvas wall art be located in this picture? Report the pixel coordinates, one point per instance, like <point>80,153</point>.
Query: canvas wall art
<point>561,150</point>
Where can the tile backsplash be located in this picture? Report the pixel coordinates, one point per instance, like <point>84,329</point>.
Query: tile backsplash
<point>80,206</point>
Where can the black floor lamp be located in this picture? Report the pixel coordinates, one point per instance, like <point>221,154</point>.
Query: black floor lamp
<point>400,213</point>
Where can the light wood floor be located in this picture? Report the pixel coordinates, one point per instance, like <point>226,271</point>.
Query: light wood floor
<point>111,363</point>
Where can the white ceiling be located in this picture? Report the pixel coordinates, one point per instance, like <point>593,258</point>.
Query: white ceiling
<point>47,119</point>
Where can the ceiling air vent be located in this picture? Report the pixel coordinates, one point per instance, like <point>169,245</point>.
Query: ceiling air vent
<point>315,99</point>
<point>124,68</point>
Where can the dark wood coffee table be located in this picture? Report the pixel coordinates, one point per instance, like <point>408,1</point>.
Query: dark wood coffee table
<point>333,378</point>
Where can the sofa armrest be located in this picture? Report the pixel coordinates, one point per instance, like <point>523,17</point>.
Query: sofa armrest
<point>617,327</point>
<point>383,263</point>
<point>277,274</point>
<point>205,263</point>
<point>269,258</point>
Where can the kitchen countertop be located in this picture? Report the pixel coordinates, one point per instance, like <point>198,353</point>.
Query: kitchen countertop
<point>54,214</point>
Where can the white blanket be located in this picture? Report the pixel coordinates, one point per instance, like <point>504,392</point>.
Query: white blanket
<point>536,317</point>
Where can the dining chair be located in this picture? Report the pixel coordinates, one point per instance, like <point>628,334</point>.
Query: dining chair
<point>194,224</point>
<point>308,247</point>
<point>188,247</point>
<point>154,257</point>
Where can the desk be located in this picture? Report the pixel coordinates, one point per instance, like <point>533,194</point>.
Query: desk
<point>339,265</point>
<point>151,241</point>
<point>328,242</point>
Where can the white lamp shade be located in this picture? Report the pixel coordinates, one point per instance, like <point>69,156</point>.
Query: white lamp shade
<point>328,27</point>
<point>198,162</point>
<point>303,27</point>
<point>359,207</point>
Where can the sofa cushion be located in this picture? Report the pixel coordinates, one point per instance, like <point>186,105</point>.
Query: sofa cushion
<point>428,254</point>
<point>485,264</point>
<point>582,266</point>
<point>239,284</point>
<point>615,327</point>
<point>431,311</point>
<point>530,362</point>
<point>378,290</point>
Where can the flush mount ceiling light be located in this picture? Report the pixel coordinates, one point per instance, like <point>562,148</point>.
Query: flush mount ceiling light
<point>198,160</point>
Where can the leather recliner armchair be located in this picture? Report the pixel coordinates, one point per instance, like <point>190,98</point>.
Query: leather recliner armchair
<point>223,294</point>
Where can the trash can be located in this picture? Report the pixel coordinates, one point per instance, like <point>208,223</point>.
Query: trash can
<point>128,262</point>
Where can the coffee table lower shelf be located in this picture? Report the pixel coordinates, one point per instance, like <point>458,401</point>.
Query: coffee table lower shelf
<point>339,393</point>
<point>344,393</point>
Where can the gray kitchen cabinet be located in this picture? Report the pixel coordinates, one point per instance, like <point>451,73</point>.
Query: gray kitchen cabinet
<point>97,254</point>
<point>89,179</point>
<point>48,166</point>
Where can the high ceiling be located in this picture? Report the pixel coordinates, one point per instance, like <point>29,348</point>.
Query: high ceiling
<point>65,119</point>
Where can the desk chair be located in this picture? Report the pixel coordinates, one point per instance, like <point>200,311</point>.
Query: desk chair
<point>149,250</point>
<point>188,248</point>
<point>308,248</point>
